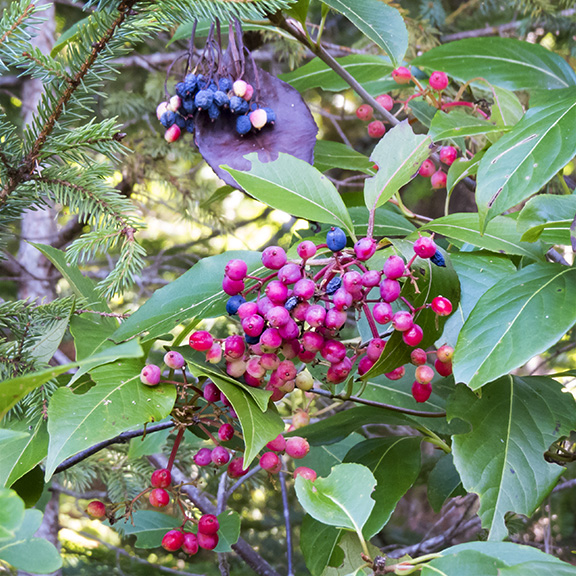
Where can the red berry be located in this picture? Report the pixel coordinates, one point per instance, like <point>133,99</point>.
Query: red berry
<point>270,461</point>
<point>382,312</point>
<point>96,509</point>
<point>418,357</point>
<point>190,544</point>
<point>438,81</point>
<point>402,321</point>
<point>226,432</point>
<point>207,541</point>
<point>401,75</point>
<point>442,306</point>
<point>443,368</point>
<point>220,456</point>
<point>445,353</point>
<point>375,348</point>
<point>306,473</point>
<point>333,351</point>
<point>421,392</point>
<point>173,540</point>
<point>424,374</point>
<point>413,336</point>
<point>448,154</point>
<point>396,374</point>
<point>386,101</point>
<point>365,112</point>
<point>425,247</point>
<point>364,365</point>
<point>365,248</point>
<point>297,447</point>
<point>278,444</point>
<point>203,457</point>
<point>150,375</point>
<point>376,129</point>
<point>438,180</point>
<point>236,468</point>
<point>427,169</point>
<point>161,478</point>
<point>172,134</point>
<point>339,371</point>
<point>306,249</point>
<point>211,392</point>
<point>201,340</point>
<point>159,498</point>
<point>208,524</point>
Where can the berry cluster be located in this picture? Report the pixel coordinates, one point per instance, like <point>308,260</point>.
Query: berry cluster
<point>365,112</point>
<point>213,96</point>
<point>298,313</point>
<point>448,155</point>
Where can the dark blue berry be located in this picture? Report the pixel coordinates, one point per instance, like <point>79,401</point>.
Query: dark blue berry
<point>336,239</point>
<point>188,105</point>
<point>225,84</point>
<point>252,339</point>
<point>180,121</point>
<point>234,302</point>
<point>190,83</point>
<point>238,105</point>
<point>243,125</point>
<point>438,259</point>
<point>213,112</point>
<point>203,99</point>
<point>221,99</point>
<point>291,303</point>
<point>190,125</point>
<point>213,87</point>
<point>181,89</point>
<point>167,119</point>
<point>271,115</point>
<point>333,285</point>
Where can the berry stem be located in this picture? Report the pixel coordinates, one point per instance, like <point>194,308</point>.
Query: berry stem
<point>433,438</point>
<point>179,437</point>
<point>467,105</point>
<point>371,323</point>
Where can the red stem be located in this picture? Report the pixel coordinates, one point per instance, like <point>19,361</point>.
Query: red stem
<point>370,319</point>
<point>467,105</point>
<point>179,437</point>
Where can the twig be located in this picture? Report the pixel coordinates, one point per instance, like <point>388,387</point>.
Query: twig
<point>221,502</point>
<point>567,485</point>
<point>286,506</point>
<point>243,479</point>
<point>107,314</point>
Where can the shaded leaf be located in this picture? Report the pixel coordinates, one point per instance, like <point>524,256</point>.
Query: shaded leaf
<point>149,527</point>
<point>11,513</point>
<point>229,531</point>
<point>352,563</point>
<point>318,542</point>
<point>545,212</point>
<point>387,221</point>
<point>443,482</point>
<point>459,123</point>
<point>328,154</point>
<point>460,169</point>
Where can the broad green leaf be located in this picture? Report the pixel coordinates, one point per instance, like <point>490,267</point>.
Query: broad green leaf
<point>506,62</point>
<point>149,444</point>
<point>423,111</point>
<point>468,562</point>
<point>460,169</point>
<point>546,211</point>
<point>458,123</point>
<point>299,10</point>
<point>229,531</point>
<point>322,458</point>
<point>398,154</point>
<point>328,154</point>
<point>352,564</point>
<point>30,486</point>
<point>507,109</point>
<point>501,458</point>
<point>292,185</point>
<point>500,234</point>
<point>27,553</point>
<point>46,345</point>
<point>477,272</point>
<point>22,454</point>
<point>317,542</point>
<point>317,74</point>
<point>11,513</point>
<point>331,501</point>
<point>118,402</point>
<point>196,294</point>
<point>540,569</point>
<point>395,463</point>
<point>526,158</point>
<point>507,552</point>
<point>536,300</point>
<point>443,482</point>
<point>387,221</point>
<point>381,23</point>
<point>149,527</point>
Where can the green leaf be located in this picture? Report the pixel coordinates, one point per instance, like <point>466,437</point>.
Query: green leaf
<point>27,553</point>
<point>323,457</point>
<point>229,531</point>
<point>460,169</point>
<point>526,158</point>
<point>381,23</point>
<point>352,564</point>
<point>398,154</point>
<point>196,294</point>
<point>536,300</point>
<point>317,542</point>
<point>443,482</point>
<point>149,527</point>
<point>509,553</point>
<point>477,272</point>
<point>148,445</point>
<point>30,486</point>
<point>458,123</point>
<point>468,562</point>
<point>544,212</point>
<point>11,513</point>
<point>329,154</point>
<point>299,10</point>
<point>387,221</point>
<point>118,402</point>
<point>507,109</point>
<point>539,569</point>
<point>292,185</point>
<point>395,463</point>
<point>506,62</point>
<point>317,74</point>
<point>501,458</point>
<point>44,347</point>
<point>70,35</point>
<point>331,501</point>
<point>500,234</point>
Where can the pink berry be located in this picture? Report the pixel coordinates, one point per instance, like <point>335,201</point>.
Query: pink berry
<point>289,273</point>
<point>150,375</point>
<point>203,457</point>
<point>401,75</point>
<point>304,288</point>
<point>211,392</point>
<point>425,247</point>
<point>278,444</point>
<point>427,169</point>
<point>214,355</point>
<point>161,478</point>
<point>443,368</point>
<point>445,353</point>
<point>442,306</point>
<point>207,541</point>
<point>382,312</point>
<point>226,432</point>
<point>394,267</point>
<point>159,498</point>
<point>274,257</point>
<point>421,392</point>
<point>335,319</point>
<point>365,112</point>
<point>364,365</point>
<point>174,360</point>
<point>376,129</point>
<point>402,321</point>
<point>190,544</point>
<point>270,340</point>
<point>277,292</point>
<point>438,81</point>
<point>342,299</point>
<point>386,101</point>
<point>306,249</point>
<point>239,88</point>
<point>253,325</point>
<point>234,347</point>
<point>306,473</point>
<point>174,103</point>
<point>220,456</point>
<point>161,109</point>
<point>96,509</point>
<point>352,282</point>
<point>208,524</point>
<point>438,180</point>
<point>312,341</point>
<point>236,269</point>
<point>172,134</point>
<point>269,461</point>
<point>396,374</point>
<point>269,361</point>
<point>232,287</point>
<point>339,371</point>
<point>448,155</point>
<point>297,447</point>
<point>201,340</point>
<point>389,290</point>
<point>286,370</point>
<point>249,92</point>
<point>424,374</point>
<point>375,348</point>
<point>316,315</point>
<point>247,309</point>
<point>333,351</point>
<point>365,249</point>
<point>258,118</point>
<point>300,419</point>
<point>371,278</point>
<point>413,336</point>
<point>418,357</point>
<point>236,468</point>
<point>278,316</point>
<point>307,356</point>
<point>173,540</point>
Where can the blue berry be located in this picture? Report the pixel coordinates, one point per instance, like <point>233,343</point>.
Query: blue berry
<point>190,125</point>
<point>203,99</point>
<point>188,105</point>
<point>243,125</point>
<point>333,285</point>
<point>212,86</point>
<point>167,119</point>
<point>181,89</point>
<point>190,83</point>
<point>271,115</point>
<point>238,105</point>
<point>291,303</point>
<point>221,99</point>
<point>438,259</point>
<point>234,302</point>
<point>180,121</point>
<point>225,84</point>
<point>252,339</point>
<point>213,112</point>
<point>336,239</point>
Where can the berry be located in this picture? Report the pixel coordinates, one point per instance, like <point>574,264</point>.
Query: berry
<point>376,129</point>
<point>172,134</point>
<point>333,351</point>
<point>382,312</point>
<point>306,249</point>
<point>438,81</point>
<point>203,457</point>
<point>270,115</point>
<point>96,509</point>
<point>150,375</point>
<point>438,180</point>
<point>247,309</point>
<point>445,353</point>
<point>427,168</point>
<point>253,325</point>
<point>236,468</point>
<point>234,302</point>
<point>226,432</point>
<point>297,447</point>
<point>203,99</point>
<point>236,269</point>
<point>342,299</point>
<point>304,380</point>
<point>425,247</point>
<point>401,75</point>
<point>258,118</point>
<point>336,239</point>
<point>278,444</point>
<point>161,478</point>
<point>174,103</point>
<point>365,112</point>
<point>208,524</point>
<point>304,288</point>
<point>220,456</point>
<point>243,125</point>
<point>352,282</point>
<point>424,374</point>
<point>274,257</point>
<point>438,259</point>
<point>190,544</point>
<point>333,285</point>
<point>270,340</point>
<point>443,368</point>
<point>448,155</point>
<point>396,374</point>
<point>413,336</point>
<point>225,84</point>
<point>365,249</point>
<point>201,340</point>
<point>214,355</point>
<point>364,365</point>
<point>211,392</point>
<point>315,315</point>
<point>371,278</point>
<point>159,498</point>
<point>167,119</point>
<point>174,360</point>
<point>221,99</point>
<point>161,109</point>
<point>289,273</point>
<point>394,267</point>
<point>389,290</point>
<point>232,287</point>
<point>207,541</point>
<point>441,306</point>
<point>240,106</point>
<point>418,357</point>
<point>269,461</point>
<point>234,347</point>
<point>421,392</point>
<point>386,101</point>
<point>173,540</point>
<point>306,473</point>
<point>375,349</point>
<point>312,341</point>
<point>239,87</point>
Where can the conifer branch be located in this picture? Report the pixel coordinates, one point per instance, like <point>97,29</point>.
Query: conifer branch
<point>27,11</point>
